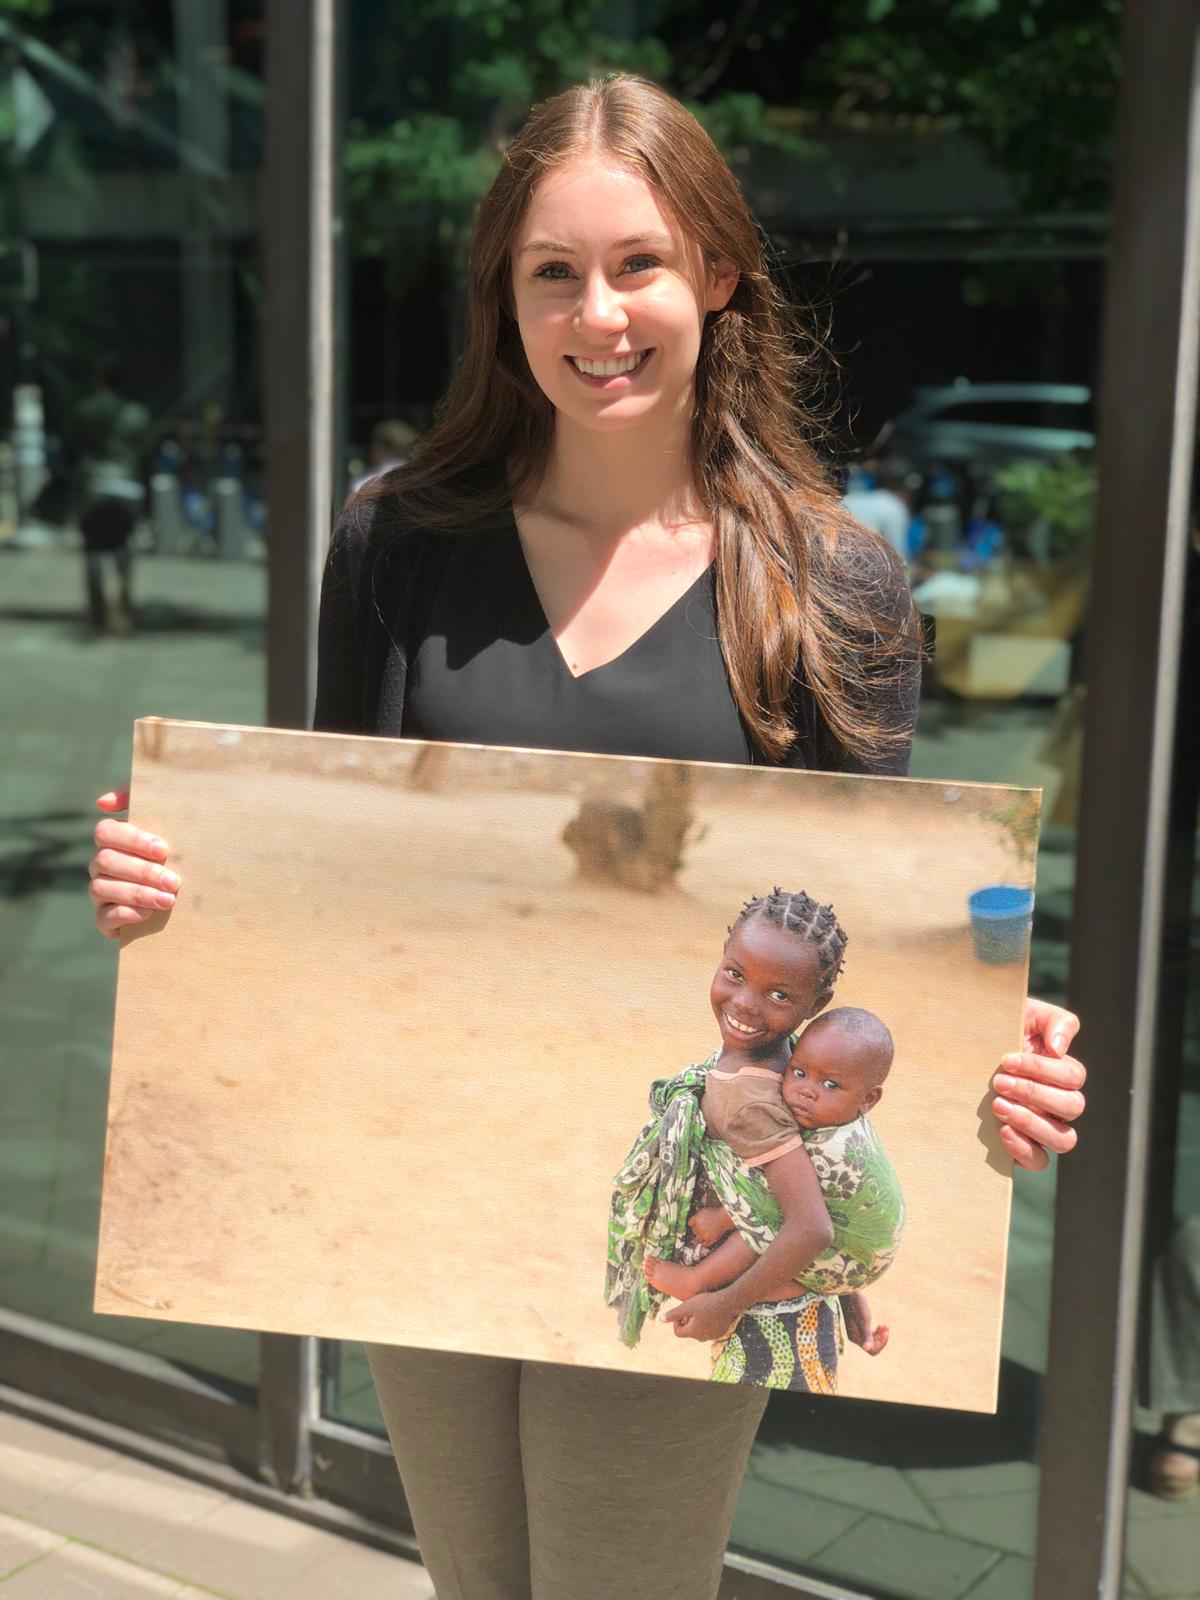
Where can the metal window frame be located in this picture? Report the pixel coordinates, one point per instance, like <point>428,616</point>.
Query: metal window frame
<point>1146,439</point>
<point>302,256</point>
<point>302,166</point>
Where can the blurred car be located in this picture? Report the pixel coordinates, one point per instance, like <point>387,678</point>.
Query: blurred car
<point>989,424</point>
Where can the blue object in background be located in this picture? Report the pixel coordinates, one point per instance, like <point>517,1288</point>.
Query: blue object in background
<point>1001,920</point>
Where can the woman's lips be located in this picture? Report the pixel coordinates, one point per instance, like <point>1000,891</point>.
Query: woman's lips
<point>616,380</point>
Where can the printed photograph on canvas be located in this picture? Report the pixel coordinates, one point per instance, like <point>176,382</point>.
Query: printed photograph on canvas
<point>665,1067</point>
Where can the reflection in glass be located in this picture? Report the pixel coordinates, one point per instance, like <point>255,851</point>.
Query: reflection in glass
<point>347,1390</point>
<point>1163,1529</point>
<point>961,275</point>
<point>131,577</point>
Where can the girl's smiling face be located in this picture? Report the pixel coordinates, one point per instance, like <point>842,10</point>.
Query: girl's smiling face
<point>610,297</point>
<point>768,982</point>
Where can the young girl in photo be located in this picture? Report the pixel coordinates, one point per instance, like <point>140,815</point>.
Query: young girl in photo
<point>618,537</point>
<point>725,1162</point>
<point>788,1339</point>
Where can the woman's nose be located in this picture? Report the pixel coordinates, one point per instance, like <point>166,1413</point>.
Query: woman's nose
<point>600,308</point>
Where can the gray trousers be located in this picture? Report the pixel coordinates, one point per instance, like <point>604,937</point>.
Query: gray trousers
<point>531,1481</point>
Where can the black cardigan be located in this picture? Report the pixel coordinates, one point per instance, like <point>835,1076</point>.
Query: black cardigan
<point>379,581</point>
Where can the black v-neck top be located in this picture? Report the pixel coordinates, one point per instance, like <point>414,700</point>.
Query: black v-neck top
<point>488,668</point>
<point>442,636</point>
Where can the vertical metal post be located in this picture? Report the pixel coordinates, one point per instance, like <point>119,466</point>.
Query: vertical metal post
<point>299,228</point>
<point>1147,425</point>
<point>287,1407</point>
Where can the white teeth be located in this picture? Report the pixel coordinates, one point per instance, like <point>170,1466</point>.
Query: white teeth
<point>740,1027</point>
<point>608,369</point>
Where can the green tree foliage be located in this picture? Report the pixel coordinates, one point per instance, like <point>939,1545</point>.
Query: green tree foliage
<point>505,55</point>
<point>1033,81</point>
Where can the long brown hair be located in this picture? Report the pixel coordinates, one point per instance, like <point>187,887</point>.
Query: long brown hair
<point>797,588</point>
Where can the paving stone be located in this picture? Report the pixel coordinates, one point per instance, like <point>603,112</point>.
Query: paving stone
<point>1144,1506</point>
<point>881,1489</point>
<point>128,1506</point>
<point>786,1523</point>
<point>1164,1555</point>
<point>238,1549</point>
<point>77,1572</point>
<point>906,1561</point>
<point>36,1462</point>
<point>1010,1579</point>
<point>1003,1521</point>
<point>995,1477</point>
<point>354,1572</point>
<point>22,1542</point>
<point>791,1466</point>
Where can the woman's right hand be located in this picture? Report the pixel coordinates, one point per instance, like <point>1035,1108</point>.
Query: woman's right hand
<point>129,880</point>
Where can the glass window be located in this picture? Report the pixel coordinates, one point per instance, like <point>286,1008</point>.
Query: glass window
<point>347,1390</point>
<point>131,549</point>
<point>959,274</point>
<point>967,329</point>
<point>1163,1530</point>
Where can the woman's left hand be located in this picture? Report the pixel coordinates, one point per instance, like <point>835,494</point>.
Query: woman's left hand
<point>1038,1089</point>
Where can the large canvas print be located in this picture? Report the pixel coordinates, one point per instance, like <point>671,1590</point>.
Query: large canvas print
<point>669,1067</point>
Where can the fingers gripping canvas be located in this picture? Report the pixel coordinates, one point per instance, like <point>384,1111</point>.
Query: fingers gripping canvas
<point>664,1067</point>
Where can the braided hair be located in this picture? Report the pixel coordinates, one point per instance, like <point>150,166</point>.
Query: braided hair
<point>809,920</point>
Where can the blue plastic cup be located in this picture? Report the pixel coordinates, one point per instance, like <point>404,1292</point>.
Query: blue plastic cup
<point>1001,919</point>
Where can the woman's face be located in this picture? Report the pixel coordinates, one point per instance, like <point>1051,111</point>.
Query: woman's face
<point>610,297</point>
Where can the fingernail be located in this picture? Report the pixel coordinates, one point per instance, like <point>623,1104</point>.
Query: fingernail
<point>166,901</point>
<point>1059,1042</point>
<point>1003,1083</point>
<point>170,880</point>
<point>1002,1104</point>
<point>159,846</point>
<point>1011,1060</point>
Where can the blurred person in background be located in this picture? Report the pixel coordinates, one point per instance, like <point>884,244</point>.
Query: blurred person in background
<point>391,445</point>
<point>106,437</point>
<point>878,495</point>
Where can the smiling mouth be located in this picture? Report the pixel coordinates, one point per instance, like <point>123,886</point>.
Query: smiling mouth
<point>613,367</point>
<point>740,1027</point>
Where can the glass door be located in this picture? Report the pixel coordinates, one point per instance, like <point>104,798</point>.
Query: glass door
<point>132,582</point>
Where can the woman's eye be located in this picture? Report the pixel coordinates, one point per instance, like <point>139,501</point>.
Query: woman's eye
<point>553,271</point>
<point>641,263</point>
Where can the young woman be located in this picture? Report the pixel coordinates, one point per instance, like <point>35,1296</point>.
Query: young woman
<point>616,539</point>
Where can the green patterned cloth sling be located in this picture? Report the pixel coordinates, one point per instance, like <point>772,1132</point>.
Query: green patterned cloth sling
<point>655,1187</point>
<point>865,1204</point>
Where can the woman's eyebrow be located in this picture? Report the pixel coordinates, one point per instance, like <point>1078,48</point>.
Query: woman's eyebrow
<point>661,241</point>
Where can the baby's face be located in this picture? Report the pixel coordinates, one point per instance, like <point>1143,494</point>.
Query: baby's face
<point>831,1079</point>
<point>767,984</point>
